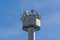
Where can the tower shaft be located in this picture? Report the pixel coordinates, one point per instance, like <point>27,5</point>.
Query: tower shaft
<point>31,34</point>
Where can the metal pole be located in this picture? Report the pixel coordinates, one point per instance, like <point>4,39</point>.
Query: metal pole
<point>31,34</point>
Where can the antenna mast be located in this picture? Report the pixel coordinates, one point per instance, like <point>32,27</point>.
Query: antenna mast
<point>31,23</point>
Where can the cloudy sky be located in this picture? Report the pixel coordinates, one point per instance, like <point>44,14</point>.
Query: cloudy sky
<point>11,25</point>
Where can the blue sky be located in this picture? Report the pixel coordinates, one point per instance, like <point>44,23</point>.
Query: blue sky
<point>11,25</point>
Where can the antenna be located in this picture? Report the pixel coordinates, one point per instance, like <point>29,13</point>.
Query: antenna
<point>32,11</point>
<point>25,11</point>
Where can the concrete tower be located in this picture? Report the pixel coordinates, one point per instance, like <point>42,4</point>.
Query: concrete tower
<point>31,23</point>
